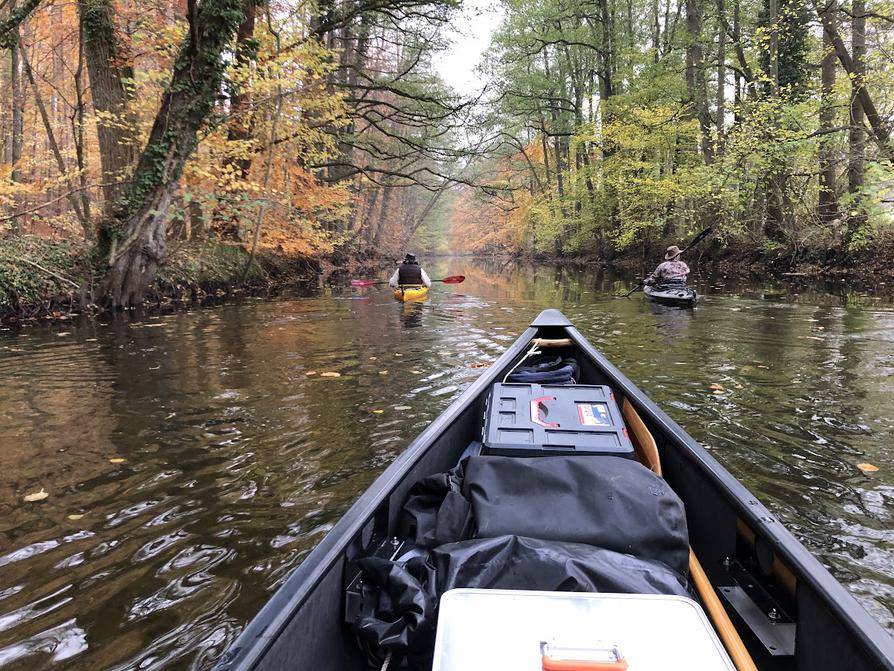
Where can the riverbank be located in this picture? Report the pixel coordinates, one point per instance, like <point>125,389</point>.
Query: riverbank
<point>45,279</point>
<point>869,266</point>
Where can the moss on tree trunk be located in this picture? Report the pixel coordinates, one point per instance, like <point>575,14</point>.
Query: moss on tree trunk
<point>133,239</point>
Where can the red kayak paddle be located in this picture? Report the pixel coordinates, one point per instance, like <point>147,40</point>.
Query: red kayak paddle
<point>453,279</point>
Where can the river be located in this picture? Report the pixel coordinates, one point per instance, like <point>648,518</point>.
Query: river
<point>192,460</point>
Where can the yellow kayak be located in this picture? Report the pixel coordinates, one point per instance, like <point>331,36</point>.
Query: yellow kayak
<point>411,293</point>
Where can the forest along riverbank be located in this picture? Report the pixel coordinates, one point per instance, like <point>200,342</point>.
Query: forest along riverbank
<point>190,461</point>
<point>46,279</point>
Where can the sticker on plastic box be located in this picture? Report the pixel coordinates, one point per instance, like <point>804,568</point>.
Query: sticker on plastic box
<point>593,414</point>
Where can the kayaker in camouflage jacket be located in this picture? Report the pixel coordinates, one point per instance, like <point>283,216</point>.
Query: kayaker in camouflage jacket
<point>672,271</point>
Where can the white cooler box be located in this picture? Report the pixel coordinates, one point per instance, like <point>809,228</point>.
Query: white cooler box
<point>506,630</point>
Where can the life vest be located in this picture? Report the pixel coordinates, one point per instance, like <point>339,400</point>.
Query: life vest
<point>409,273</point>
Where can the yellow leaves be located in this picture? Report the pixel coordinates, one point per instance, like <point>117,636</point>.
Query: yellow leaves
<point>36,496</point>
<point>74,517</point>
<point>377,412</point>
<point>867,468</point>
<point>117,460</point>
<point>330,374</point>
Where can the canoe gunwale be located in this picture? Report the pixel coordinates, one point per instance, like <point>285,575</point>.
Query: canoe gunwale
<point>259,634</point>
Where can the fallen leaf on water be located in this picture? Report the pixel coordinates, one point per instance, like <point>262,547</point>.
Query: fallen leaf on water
<point>718,392</point>
<point>479,364</point>
<point>311,372</point>
<point>330,374</point>
<point>36,496</point>
<point>416,372</point>
<point>716,386</point>
<point>75,518</point>
<point>383,372</point>
<point>117,460</point>
<point>378,412</point>
<point>867,468</point>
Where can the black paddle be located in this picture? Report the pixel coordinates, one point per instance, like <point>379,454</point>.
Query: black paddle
<point>692,243</point>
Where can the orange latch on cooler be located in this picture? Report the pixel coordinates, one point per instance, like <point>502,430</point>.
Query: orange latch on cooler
<point>562,658</point>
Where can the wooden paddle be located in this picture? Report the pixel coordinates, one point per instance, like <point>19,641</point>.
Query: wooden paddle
<point>453,279</point>
<point>692,243</point>
<point>647,455</point>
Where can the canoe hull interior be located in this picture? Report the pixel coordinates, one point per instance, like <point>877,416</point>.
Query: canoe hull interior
<point>302,626</point>
<point>684,297</point>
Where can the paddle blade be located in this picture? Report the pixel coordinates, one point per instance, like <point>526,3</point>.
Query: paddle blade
<point>362,283</point>
<point>453,279</point>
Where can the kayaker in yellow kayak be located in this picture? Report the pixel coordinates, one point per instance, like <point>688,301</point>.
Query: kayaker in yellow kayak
<point>409,273</point>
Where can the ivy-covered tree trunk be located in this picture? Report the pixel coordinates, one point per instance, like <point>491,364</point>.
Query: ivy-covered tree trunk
<point>110,71</point>
<point>133,240</point>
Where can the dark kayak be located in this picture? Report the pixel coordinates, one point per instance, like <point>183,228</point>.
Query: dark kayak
<point>677,296</point>
<point>787,609</point>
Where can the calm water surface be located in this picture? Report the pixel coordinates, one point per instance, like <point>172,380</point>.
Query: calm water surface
<point>193,460</point>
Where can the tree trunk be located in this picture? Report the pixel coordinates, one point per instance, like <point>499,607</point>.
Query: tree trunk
<point>737,78</point>
<point>77,132</point>
<point>227,214</point>
<point>134,239</point>
<point>109,68</point>
<point>857,138</point>
<point>880,129</point>
<point>54,146</point>
<point>388,193</point>
<point>695,77</point>
<point>17,127</point>
<point>721,72</point>
<point>827,209</point>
